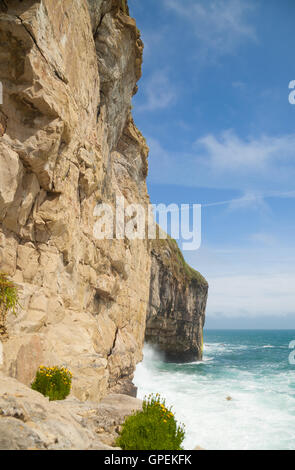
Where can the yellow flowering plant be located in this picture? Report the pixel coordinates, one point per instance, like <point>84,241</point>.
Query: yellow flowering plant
<point>53,382</point>
<point>153,428</point>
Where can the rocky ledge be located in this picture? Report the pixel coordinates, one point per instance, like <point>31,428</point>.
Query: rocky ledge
<point>28,421</point>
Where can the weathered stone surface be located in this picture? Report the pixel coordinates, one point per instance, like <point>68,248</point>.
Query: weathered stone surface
<point>68,142</point>
<point>178,297</point>
<point>10,176</point>
<point>29,421</point>
<point>15,435</point>
<point>8,252</point>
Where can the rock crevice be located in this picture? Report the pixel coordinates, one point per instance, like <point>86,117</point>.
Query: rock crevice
<point>67,143</point>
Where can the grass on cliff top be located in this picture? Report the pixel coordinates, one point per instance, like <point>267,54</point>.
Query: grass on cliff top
<point>125,8</point>
<point>172,257</point>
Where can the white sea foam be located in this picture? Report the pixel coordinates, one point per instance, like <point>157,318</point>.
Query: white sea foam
<point>261,414</point>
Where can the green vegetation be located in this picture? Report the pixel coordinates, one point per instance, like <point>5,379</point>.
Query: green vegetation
<point>172,257</point>
<point>125,7</point>
<point>153,428</point>
<point>53,382</point>
<point>9,300</point>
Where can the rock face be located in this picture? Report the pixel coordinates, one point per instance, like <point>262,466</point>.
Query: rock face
<point>28,421</point>
<point>68,142</point>
<point>178,297</point>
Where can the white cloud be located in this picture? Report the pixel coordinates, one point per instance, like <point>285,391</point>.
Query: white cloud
<point>253,282</point>
<point>257,166</point>
<point>230,153</point>
<point>220,25</point>
<point>158,91</point>
<point>254,296</point>
<point>250,200</point>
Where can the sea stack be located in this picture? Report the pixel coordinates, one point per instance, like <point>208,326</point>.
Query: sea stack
<point>177,304</point>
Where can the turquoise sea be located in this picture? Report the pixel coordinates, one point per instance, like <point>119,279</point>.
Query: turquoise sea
<point>252,367</point>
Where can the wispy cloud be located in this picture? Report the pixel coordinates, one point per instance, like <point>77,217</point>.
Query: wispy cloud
<point>265,239</point>
<point>230,153</point>
<point>250,282</point>
<point>247,200</point>
<point>220,25</point>
<point>249,197</point>
<point>158,91</point>
<point>257,166</point>
<point>250,200</point>
<point>239,85</point>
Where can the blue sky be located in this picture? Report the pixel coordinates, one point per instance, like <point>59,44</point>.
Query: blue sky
<point>213,106</point>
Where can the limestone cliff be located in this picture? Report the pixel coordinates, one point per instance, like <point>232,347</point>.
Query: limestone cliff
<point>178,297</point>
<point>68,141</point>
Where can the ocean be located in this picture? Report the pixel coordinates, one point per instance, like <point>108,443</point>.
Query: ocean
<point>252,368</point>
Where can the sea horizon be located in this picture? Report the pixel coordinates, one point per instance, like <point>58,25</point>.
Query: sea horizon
<point>249,329</point>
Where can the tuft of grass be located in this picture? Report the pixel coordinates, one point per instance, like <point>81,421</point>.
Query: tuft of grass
<point>9,300</point>
<point>53,382</point>
<point>124,7</point>
<point>153,428</point>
